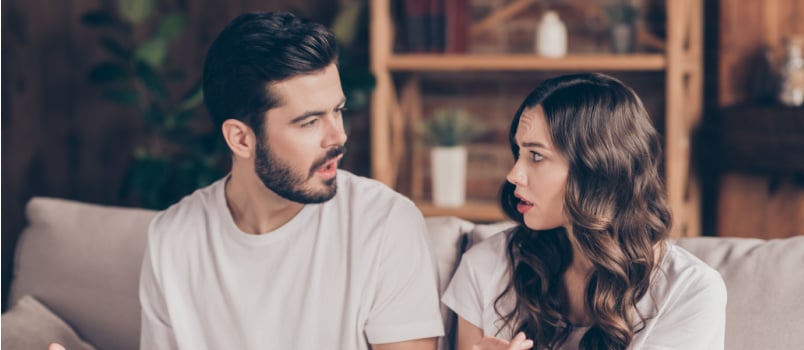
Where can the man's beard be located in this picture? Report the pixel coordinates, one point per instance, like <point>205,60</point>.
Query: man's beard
<point>280,178</point>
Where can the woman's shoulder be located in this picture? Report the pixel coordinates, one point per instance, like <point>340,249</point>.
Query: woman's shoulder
<point>681,269</point>
<point>489,254</point>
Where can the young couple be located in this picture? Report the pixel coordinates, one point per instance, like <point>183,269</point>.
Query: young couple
<point>288,252</point>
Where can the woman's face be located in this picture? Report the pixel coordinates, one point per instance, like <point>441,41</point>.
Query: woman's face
<point>539,174</point>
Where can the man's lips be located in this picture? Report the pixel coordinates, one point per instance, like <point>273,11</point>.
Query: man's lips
<point>329,166</point>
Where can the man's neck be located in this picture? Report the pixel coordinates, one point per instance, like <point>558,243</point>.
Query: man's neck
<point>255,209</point>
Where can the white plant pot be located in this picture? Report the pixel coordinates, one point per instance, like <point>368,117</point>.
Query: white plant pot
<point>448,171</point>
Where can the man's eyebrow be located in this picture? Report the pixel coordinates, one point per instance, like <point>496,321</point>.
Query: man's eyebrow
<point>306,115</point>
<point>309,114</point>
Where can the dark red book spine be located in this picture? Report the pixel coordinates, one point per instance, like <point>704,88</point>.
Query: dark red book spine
<point>457,15</point>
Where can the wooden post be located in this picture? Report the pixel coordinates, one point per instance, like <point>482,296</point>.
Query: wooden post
<point>381,37</point>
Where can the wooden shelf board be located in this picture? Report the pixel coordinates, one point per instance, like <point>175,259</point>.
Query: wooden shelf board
<point>476,211</point>
<point>525,62</point>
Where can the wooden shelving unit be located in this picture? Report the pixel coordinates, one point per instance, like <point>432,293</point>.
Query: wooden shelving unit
<point>523,62</point>
<point>393,112</point>
<point>474,210</point>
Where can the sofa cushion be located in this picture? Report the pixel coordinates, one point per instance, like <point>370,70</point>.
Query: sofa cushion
<point>83,261</point>
<point>30,325</point>
<point>765,282</point>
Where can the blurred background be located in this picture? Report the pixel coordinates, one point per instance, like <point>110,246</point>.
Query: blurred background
<point>101,103</point>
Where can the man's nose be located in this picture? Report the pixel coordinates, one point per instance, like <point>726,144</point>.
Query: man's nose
<point>336,135</point>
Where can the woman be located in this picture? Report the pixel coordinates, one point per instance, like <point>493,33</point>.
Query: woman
<point>588,266</point>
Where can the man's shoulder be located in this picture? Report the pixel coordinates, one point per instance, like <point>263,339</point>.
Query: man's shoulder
<point>188,212</point>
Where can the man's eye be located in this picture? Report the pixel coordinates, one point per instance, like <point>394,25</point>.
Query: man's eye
<point>310,123</point>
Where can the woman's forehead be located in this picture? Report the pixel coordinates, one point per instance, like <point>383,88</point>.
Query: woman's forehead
<point>532,125</point>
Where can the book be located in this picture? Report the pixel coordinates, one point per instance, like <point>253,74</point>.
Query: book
<point>457,21</point>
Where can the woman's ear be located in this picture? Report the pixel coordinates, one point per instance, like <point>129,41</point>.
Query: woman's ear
<point>240,138</point>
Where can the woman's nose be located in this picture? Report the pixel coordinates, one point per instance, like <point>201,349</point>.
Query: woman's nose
<point>517,177</point>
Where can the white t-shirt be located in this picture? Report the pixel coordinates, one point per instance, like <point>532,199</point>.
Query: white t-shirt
<point>353,271</point>
<point>689,299</point>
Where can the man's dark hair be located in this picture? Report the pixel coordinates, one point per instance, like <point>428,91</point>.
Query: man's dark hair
<point>254,51</point>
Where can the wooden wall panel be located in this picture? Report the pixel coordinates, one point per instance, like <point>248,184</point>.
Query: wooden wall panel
<point>755,205</point>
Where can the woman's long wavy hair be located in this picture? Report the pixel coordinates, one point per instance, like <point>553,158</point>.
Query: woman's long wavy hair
<point>616,204</point>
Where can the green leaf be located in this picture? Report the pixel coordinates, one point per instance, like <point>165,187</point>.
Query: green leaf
<point>151,79</point>
<point>135,11</point>
<point>108,72</point>
<point>123,97</point>
<point>98,19</point>
<point>115,48</point>
<point>192,99</point>
<point>153,51</point>
<point>346,23</point>
<point>171,26</point>
<point>451,127</point>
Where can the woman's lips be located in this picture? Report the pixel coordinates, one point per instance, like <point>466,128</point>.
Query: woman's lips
<point>522,206</point>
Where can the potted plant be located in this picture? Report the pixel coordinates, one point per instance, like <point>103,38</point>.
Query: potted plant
<point>446,132</point>
<point>175,157</point>
<point>622,17</point>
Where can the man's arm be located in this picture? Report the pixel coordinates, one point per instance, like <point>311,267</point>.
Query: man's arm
<point>404,311</point>
<point>156,332</point>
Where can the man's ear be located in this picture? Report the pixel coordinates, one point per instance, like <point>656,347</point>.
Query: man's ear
<point>240,138</point>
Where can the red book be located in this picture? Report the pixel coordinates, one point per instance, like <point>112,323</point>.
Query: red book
<point>457,15</point>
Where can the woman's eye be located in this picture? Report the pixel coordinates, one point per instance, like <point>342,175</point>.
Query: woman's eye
<point>535,156</point>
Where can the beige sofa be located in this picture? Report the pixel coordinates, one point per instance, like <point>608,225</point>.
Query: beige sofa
<point>78,265</point>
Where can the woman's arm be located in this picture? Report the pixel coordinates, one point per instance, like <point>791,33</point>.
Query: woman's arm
<point>470,337</point>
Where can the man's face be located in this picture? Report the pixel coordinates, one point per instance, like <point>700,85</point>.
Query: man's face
<point>303,138</point>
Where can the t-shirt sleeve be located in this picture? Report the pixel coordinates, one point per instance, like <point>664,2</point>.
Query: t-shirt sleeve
<point>156,332</point>
<point>697,318</point>
<point>463,295</point>
<point>405,306</point>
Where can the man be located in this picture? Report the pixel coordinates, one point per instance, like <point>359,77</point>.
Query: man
<point>287,251</point>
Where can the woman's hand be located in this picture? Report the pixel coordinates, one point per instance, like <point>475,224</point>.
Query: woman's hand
<point>491,343</point>
<point>55,346</point>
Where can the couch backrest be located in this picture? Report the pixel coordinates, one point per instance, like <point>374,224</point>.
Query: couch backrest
<point>765,284</point>
<point>83,262</point>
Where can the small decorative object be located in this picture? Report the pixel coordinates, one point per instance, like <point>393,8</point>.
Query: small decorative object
<point>622,16</point>
<point>791,74</point>
<point>447,131</point>
<point>551,38</point>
